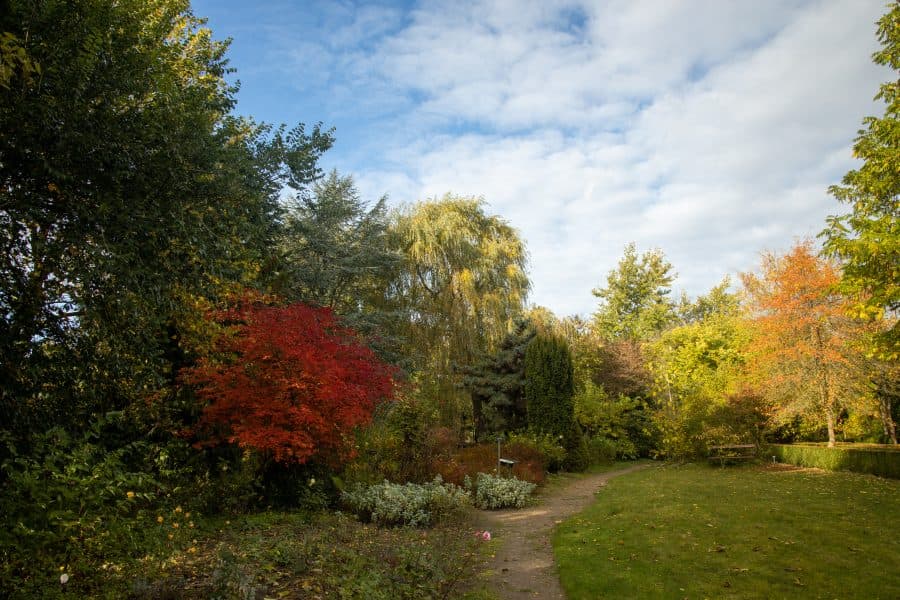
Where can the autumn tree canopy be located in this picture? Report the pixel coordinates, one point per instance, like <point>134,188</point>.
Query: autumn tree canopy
<point>295,385</point>
<point>802,332</point>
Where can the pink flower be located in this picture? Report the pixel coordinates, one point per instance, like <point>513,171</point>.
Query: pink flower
<point>486,536</point>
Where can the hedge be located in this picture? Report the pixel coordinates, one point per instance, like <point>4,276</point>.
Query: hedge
<point>884,462</point>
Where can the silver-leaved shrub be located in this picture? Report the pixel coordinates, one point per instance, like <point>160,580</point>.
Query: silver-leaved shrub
<point>492,492</point>
<point>417,505</point>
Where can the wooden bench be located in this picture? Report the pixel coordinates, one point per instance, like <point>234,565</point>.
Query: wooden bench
<point>731,452</point>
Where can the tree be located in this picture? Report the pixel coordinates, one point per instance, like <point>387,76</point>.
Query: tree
<point>549,385</point>
<point>335,248</point>
<point>497,383</point>
<point>635,303</point>
<point>885,384</point>
<point>334,251</point>
<point>719,302</point>
<point>867,239</point>
<point>128,198</point>
<point>294,385</point>
<point>695,368</point>
<point>802,333</point>
<point>549,391</point>
<point>462,282</point>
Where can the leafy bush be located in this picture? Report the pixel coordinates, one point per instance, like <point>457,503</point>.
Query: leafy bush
<point>417,505</point>
<point>399,445</point>
<point>602,450</point>
<point>76,504</point>
<point>578,456</point>
<point>529,463</point>
<point>492,492</point>
<point>884,462</point>
<point>549,447</point>
<point>626,449</point>
<point>298,382</point>
<point>622,419</point>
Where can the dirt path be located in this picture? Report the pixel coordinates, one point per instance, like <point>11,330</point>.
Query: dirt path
<point>523,566</point>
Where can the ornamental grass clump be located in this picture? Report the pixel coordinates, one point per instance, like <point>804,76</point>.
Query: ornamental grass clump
<point>492,492</point>
<point>416,505</point>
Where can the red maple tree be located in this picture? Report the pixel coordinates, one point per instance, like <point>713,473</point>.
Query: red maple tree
<point>296,384</point>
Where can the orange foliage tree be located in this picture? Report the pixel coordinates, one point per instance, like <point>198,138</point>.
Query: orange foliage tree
<point>801,346</point>
<point>295,384</point>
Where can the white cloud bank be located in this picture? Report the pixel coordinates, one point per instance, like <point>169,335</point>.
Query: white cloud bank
<point>708,129</point>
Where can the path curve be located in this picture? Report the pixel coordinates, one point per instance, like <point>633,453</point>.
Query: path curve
<point>523,565</point>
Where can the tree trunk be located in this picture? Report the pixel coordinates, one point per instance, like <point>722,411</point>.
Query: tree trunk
<point>824,387</point>
<point>887,422</point>
<point>829,416</point>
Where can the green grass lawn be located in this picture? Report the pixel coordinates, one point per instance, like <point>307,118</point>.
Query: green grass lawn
<point>696,531</point>
<point>557,481</point>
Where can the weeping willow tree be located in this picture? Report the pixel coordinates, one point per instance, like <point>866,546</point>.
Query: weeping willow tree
<point>462,283</point>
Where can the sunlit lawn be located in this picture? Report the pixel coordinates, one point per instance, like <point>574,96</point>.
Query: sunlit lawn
<point>697,531</point>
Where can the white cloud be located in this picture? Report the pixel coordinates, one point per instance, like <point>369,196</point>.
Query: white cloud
<point>708,129</point>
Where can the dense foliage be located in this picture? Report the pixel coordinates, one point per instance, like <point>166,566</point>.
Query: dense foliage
<point>462,282</point>
<point>549,385</point>
<point>195,319</point>
<point>497,384</point>
<point>294,386</point>
<point>494,492</point>
<point>128,194</point>
<point>868,238</point>
<point>801,334</point>
<point>413,504</point>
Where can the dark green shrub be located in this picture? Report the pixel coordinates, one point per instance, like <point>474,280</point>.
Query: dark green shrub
<point>578,455</point>
<point>549,386</point>
<point>73,504</point>
<point>549,391</point>
<point>874,460</point>
<point>602,450</point>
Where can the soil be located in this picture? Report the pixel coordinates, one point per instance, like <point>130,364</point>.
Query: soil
<point>523,565</point>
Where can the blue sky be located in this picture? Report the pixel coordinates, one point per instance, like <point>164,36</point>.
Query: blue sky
<point>708,129</point>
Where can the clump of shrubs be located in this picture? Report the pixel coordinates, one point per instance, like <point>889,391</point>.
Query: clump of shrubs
<point>491,492</point>
<point>413,504</point>
<point>549,447</point>
<point>529,463</point>
<point>603,450</point>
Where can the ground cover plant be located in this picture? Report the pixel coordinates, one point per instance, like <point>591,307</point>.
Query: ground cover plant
<point>297,555</point>
<point>740,532</point>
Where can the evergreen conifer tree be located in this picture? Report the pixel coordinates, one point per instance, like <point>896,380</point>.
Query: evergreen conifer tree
<point>496,382</point>
<point>549,385</point>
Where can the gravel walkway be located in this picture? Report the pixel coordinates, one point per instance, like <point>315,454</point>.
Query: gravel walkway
<point>523,566</point>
